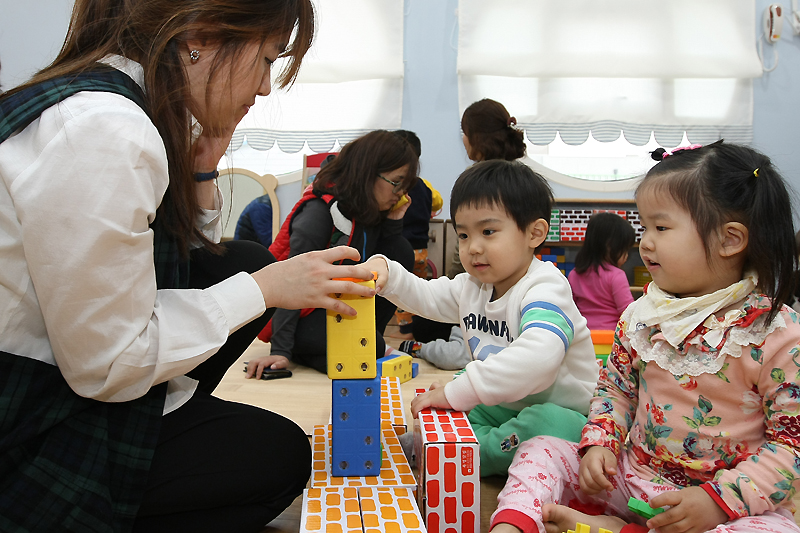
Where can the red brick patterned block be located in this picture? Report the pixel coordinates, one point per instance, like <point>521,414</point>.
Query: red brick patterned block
<point>448,462</point>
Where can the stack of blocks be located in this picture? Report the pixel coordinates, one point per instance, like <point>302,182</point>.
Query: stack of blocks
<point>356,385</point>
<point>361,481</point>
<point>602,339</point>
<point>448,460</point>
<point>557,257</point>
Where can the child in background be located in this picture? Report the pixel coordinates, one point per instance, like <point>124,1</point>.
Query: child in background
<point>425,201</point>
<point>702,378</point>
<point>533,369</point>
<point>599,285</point>
<point>489,132</point>
<point>352,203</point>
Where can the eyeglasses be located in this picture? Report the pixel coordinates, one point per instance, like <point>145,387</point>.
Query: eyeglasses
<point>397,186</point>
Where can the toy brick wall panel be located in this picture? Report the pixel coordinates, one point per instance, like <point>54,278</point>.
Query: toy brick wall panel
<point>633,218</point>
<point>394,472</point>
<point>448,459</point>
<point>621,212</point>
<point>392,412</point>
<point>360,510</point>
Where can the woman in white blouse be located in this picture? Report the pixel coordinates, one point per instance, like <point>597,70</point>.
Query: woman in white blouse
<point>119,312</point>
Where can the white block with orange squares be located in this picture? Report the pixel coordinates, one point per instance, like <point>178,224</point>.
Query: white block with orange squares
<point>360,510</point>
<point>331,510</point>
<point>395,471</point>
<point>389,510</point>
<point>392,413</point>
<point>448,461</point>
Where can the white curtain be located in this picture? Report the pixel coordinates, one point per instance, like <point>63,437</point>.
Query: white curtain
<point>351,82</point>
<point>613,66</point>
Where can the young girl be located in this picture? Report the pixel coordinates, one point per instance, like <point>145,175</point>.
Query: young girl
<point>702,378</point>
<point>350,203</point>
<point>599,286</point>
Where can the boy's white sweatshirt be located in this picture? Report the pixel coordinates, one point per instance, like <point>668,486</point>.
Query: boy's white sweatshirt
<point>529,347</point>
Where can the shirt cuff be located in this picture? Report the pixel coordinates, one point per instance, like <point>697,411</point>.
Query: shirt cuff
<point>240,299</point>
<point>634,528</point>
<point>460,394</point>
<point>517,519</point>
<point>719,501</point>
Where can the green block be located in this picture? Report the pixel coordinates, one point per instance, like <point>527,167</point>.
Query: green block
<point>643,508</point>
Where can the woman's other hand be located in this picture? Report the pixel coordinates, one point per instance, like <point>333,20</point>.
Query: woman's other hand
<point>308,280</point>
<point>399,210</point>
<point>256,366</point>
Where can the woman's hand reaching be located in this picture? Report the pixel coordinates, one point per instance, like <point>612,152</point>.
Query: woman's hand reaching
<point>307,280</point>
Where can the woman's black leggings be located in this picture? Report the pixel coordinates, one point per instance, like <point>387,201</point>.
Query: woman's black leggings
<point>224,466</point>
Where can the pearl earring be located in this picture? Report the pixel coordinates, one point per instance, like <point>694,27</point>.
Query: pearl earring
<point>194,55</point>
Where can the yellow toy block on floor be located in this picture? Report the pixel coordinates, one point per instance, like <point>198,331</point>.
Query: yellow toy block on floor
<point>396,366</point>
<point>351,339</point>
<point>583,528</point>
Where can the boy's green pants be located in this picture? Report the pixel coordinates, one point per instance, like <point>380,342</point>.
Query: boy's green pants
<point>500,430</point>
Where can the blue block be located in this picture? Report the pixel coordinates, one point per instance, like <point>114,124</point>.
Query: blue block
<point>356,427</point>
<point>414,370</point>
<point>552,258</point>
<point>556,250</point>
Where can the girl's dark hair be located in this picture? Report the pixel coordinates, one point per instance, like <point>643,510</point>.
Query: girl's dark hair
<point>350,177</point>
<point>153,33</point>
<point>722,183</point>
<point>608,238</point>
<point>524,194</point>
<point>491,133</point>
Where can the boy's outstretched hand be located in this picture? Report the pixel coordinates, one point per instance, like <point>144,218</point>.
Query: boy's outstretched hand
<point>433,398</point>
<point>597,466</point>
<point>379,265</point>
<point>692,511</point>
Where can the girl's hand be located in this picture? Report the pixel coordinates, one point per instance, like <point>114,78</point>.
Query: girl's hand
<point>692,511</point>
<point>379,265</point>
<point>433,398</point>
<point>256,366</point>
<point>598,464</point>
<point>400,211</point>
<point>307,280</point>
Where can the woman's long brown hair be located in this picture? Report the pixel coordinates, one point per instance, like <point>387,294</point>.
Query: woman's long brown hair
<point>152,33</point>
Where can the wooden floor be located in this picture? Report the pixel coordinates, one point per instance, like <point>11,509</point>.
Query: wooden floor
<point>306,399</point>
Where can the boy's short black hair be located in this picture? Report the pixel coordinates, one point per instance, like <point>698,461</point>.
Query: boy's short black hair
<point>514,186</point>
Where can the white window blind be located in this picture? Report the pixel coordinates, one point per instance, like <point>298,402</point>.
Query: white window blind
<point>611,67</point>
<point>351,82</point>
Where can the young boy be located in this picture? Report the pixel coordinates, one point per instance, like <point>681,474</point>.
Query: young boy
<point>533,368</point>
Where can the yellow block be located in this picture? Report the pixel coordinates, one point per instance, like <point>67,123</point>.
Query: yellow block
<point>351,339</point>
<point>399,367</point>
<point>602,349</point>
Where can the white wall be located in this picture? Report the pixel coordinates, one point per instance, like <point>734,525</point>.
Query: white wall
<point>31,32</point>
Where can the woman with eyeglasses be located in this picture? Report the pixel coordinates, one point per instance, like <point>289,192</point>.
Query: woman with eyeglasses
<point>353,201</point>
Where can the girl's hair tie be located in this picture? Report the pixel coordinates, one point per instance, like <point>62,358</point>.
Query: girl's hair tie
<point>755,172</point>
<point>512,121</point>
<point>659,154</point>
